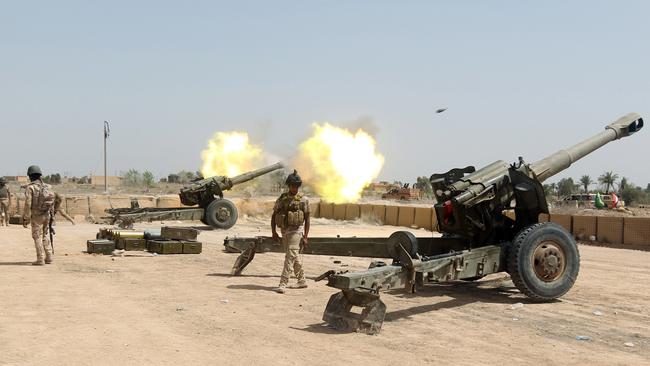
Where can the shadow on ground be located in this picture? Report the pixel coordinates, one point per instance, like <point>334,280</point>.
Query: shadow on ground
<point>496,291</point>
<point>252,287</point>
<point>15,263</point>
<point>242,275</point>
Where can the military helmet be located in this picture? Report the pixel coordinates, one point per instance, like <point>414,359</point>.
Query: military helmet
<point>3,180</point>
<point>34,169</point>
<point>293,179</point>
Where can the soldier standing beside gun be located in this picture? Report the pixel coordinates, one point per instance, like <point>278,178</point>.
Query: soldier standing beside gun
<point>291,211</point>
<point>38,211</point>
<point>5,202</point>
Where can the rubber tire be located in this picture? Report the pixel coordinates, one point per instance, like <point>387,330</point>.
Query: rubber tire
<point>211,214</point>
<point>521,268</point>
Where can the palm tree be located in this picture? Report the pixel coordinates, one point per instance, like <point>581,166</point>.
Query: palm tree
<point>586,181</point>
<point>608,179</point>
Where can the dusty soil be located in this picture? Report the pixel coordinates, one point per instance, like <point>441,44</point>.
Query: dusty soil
<point>186,310</point>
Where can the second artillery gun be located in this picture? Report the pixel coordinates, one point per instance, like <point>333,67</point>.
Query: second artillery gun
<point>207,194</point>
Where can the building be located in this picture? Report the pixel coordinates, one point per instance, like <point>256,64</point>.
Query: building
<point>98,180</point>
<point>20,179</point>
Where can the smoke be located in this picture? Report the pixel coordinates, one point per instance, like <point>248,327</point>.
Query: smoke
<point>363,123</point>
<point>338,162</point>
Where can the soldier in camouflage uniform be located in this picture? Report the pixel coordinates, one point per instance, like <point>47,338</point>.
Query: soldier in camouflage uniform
<point>58,201</point>
<point>290,213</point>
<point>38,211</point>
<point>5,202</point>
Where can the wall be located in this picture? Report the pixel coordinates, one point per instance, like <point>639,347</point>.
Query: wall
<point>633,231</point>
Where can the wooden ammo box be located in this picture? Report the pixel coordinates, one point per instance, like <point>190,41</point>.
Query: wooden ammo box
<point>192,247</point>
<point>178,233</point>
<point>131,244</point>
<point>164,246</point>
<point>102,246</point>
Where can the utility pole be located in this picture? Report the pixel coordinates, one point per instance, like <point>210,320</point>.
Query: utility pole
<point>107,132</point>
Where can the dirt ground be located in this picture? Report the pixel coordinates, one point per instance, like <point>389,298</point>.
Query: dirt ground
<point>186,310</point>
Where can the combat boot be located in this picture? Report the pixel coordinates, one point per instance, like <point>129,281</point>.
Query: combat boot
<point>301,284</point>
<point>280,289</point>
<point>38,263</point>
<point>48,259</point>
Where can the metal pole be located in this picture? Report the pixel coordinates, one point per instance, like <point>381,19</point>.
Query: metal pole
<point>107,132</point>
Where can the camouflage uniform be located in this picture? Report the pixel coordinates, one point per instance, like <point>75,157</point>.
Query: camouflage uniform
<point>58,200</point>
<point>4,204</point>
<point>40,223</point>
<point>292,233</point>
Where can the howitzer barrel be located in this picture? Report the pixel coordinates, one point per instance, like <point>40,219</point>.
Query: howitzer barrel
<point>242,178</point>
<point>561,160</point>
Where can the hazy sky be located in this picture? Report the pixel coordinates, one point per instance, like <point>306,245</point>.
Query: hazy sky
<point>519,78</point>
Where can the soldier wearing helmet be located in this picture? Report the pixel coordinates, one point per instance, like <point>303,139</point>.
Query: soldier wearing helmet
<point>5,202</point>
<point>38,212</point>
<point>291,215</point>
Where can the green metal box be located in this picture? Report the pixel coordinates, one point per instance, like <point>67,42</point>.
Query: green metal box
<point>102,246</point>
<point>178,233</point>
<point>192,247</point>
<point>165,246</point>
<point>131,244</point>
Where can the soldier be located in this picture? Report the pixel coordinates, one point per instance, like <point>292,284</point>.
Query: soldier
<point>39,203</point>
<point>58,200</point>
<point>5,202</point>
<point>291,211</point>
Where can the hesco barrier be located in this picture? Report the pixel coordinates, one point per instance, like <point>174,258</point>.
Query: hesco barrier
<point>326,210</point>
<point>352,211</point>
<point>562,220</point>
<point>392,215</point>
<point>407,216</point>
<point>584,227</point>
<point>605,229</point>
<point>636,231</point>
<point>609,229</point>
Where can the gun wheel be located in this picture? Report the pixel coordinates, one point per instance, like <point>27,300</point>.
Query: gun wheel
<point>404,238</point>
<point>544,261</point>
<point>221,214</point>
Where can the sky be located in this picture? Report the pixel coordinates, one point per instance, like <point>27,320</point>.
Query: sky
<point>519,78</point>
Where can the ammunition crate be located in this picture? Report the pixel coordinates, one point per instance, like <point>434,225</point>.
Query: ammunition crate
<point>16,220</point>
<point>178,233</point>
<point>131,244</point>
<point>102,246</point>
<point>165,246</point>
<point>192,247</point>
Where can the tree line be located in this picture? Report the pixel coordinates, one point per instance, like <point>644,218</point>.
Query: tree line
<point>609,182</point>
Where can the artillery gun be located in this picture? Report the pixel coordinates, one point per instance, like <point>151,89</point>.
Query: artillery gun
<point>207,194</point>
<point>478,238</point>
